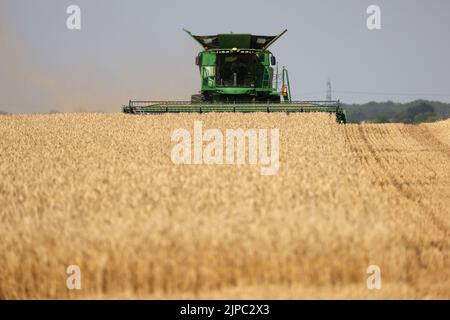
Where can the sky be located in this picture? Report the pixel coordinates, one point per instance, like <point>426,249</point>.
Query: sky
<point>136,49</point>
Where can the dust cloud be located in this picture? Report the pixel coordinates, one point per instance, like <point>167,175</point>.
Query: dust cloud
<point>29,85</point>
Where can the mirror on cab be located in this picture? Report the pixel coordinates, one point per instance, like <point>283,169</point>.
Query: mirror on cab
<point>273,60</point>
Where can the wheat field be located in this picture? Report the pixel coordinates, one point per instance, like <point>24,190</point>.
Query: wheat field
<point>100,191</point>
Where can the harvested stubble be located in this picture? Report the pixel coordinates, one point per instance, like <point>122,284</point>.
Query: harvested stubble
<point>100,191</point>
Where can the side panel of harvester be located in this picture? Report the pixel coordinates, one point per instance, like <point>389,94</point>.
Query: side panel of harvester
<point>207,65</point>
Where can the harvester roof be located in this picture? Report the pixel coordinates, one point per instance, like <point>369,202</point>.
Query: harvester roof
<point>235,40</point>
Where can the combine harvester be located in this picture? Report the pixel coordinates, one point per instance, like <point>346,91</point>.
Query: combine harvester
<point>237,75</point>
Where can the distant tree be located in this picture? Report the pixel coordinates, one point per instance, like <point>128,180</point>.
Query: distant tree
<point>419,112</point>
<point>425,117</point>
<point>357,116</point>
<point>401,117</point>
<point>382,118</point>
<point>421,108</point>
<point>409,112</point>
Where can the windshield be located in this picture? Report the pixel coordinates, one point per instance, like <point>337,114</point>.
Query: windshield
<point>236,70</point>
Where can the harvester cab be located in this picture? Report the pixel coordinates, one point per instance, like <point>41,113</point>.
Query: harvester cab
<point>238,74</point>
<point>238,68</point>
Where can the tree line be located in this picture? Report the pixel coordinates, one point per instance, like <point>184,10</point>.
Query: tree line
<point>384,112</point>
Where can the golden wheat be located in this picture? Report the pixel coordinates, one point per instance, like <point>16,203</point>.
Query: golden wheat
<point>100,191</point>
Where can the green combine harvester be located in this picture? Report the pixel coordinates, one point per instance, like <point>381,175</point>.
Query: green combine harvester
<point>238,74</point>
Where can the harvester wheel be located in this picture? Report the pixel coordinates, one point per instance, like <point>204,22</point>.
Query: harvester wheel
<point>271,99</point>
<point>198,98</point>
<point>275,99</point>
<point>341,116</point>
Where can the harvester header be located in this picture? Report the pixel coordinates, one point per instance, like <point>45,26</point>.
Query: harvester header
<point>235,40</point>
<point>238,74</point>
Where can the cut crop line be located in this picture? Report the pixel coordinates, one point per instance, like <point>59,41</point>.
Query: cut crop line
<point>407,192</point>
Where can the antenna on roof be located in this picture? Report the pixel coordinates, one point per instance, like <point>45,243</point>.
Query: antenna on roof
<point>328,98</point>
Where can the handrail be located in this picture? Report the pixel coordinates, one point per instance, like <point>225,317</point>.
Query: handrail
<point>285,79</point>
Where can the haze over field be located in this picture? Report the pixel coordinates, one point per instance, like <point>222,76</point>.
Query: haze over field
<point>136,49</point>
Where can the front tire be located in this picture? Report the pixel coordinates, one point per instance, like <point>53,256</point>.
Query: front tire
<point>270,99</point>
